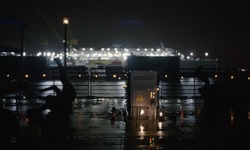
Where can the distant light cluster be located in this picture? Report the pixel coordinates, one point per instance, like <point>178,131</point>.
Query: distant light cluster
<point>85,55</point>
<point>106,56</point>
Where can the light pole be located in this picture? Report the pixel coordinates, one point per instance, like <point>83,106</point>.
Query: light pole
<point>65,23</point>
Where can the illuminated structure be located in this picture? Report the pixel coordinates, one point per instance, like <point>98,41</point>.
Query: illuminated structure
<point>143,97</point>
<point>90,57</point>
<point>106,56</point>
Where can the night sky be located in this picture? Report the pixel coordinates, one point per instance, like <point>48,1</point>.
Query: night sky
<point>220,28</point>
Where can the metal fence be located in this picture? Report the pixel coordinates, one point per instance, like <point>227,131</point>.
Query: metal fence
<point>111,82</point>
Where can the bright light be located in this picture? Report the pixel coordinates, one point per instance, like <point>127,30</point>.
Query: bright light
<point>124,85</point>
<point>48,54</point>
<point>142,112</point>
<point>160,125</point>
<point>46,111</point>
<point>84,56</point>
<point>65,20</point>
<point>39,54</point>
<point>141,128</point>
<point>243,69</point>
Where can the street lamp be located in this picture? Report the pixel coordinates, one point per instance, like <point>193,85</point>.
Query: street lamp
<point>65,23</point>
<point>191,55</point>
<point>206,54</point>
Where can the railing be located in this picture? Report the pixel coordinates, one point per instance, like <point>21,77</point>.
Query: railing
<point>111,82</point>
<point>185,88</point>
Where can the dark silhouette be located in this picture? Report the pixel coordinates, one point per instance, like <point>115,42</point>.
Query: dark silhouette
<point>56,123</point>
<point>9,126</point>
<point>223,97</point>
<point>202,76</point>
<point>220,101</point>
<point>212,102</point>
<point>113,115</point>
<point>13,87</point>
<point>64,98</point>
<point>173,117</point>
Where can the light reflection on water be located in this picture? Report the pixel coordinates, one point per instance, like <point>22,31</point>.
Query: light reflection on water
<point>183,108</point>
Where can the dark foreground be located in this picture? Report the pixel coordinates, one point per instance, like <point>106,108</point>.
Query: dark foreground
<point>91,127</point>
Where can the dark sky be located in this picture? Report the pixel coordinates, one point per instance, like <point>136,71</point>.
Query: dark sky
<point>220,28</point>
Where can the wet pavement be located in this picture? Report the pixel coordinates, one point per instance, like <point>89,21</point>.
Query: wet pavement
<point>90,127</point>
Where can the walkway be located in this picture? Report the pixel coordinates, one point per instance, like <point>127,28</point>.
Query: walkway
<point>90,127</point>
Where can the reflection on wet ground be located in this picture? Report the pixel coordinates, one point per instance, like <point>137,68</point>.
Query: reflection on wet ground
<point>90,126</point>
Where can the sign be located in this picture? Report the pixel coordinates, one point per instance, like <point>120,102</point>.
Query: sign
<point>139,98</point>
